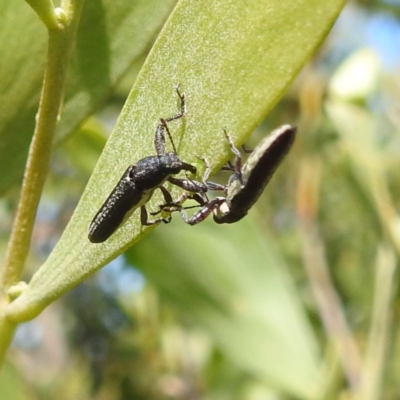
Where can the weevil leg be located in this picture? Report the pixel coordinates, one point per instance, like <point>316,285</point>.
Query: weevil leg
<point>204,212</point>
<point>159,140</point>
<point>246,150</point>
<point>228,167</point>
<point>215,186</point>
<point>238,160</point>
<point>144,218</point>
<point>201,199</point>
<point>177,204</point>
<point>159,137</point>
<point>194,186</point>
<point>189,185</point>
<point>182,113</point>
<point>173,206</point>
<point>168,200</point>
<point>208,167</point>
<point>167,195</point>
<point>203,202</point>
<point>210,185</point>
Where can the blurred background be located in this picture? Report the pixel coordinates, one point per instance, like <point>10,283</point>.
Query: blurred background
<point>297,301</point>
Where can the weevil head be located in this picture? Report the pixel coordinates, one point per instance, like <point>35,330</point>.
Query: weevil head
<point>174,165</point>
<point>153,171</point>
<point>224,214</point>
<point>220,212</point>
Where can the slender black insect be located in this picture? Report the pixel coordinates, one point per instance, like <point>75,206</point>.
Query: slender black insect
<point>138,183</point>
<point>246,183</point>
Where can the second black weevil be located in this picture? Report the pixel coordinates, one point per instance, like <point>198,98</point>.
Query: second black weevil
<point>246,184</point>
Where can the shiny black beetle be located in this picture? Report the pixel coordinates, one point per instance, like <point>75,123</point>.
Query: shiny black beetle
<point>138,183</point>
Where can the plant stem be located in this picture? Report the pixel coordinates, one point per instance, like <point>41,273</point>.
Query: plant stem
<point>60,42</point>
<point>38,158</point>
<point>327,299</point>
<point>376,354</point>
<point>6,334</point>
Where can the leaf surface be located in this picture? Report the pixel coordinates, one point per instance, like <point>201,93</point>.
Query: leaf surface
<point>234,62</point>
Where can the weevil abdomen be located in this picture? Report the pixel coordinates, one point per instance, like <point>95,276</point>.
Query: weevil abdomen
<point>255,175</point>
<point>122,201</point>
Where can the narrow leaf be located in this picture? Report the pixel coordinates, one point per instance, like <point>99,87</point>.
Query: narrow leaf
<point>233,62</point>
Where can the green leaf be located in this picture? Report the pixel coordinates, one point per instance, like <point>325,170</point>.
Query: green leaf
<point>232,282</point>
<point>234,62</point>
<point>12,383</point>
<point>84,147</point>
<point>111,36</point>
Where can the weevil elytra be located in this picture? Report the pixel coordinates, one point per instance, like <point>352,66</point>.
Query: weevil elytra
<point>138,183</point>
<point>246,183</point>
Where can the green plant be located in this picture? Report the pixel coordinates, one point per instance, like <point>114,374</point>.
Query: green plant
<point>234,62</point>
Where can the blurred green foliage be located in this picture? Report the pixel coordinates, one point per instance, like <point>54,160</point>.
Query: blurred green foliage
<point>298,300</point>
